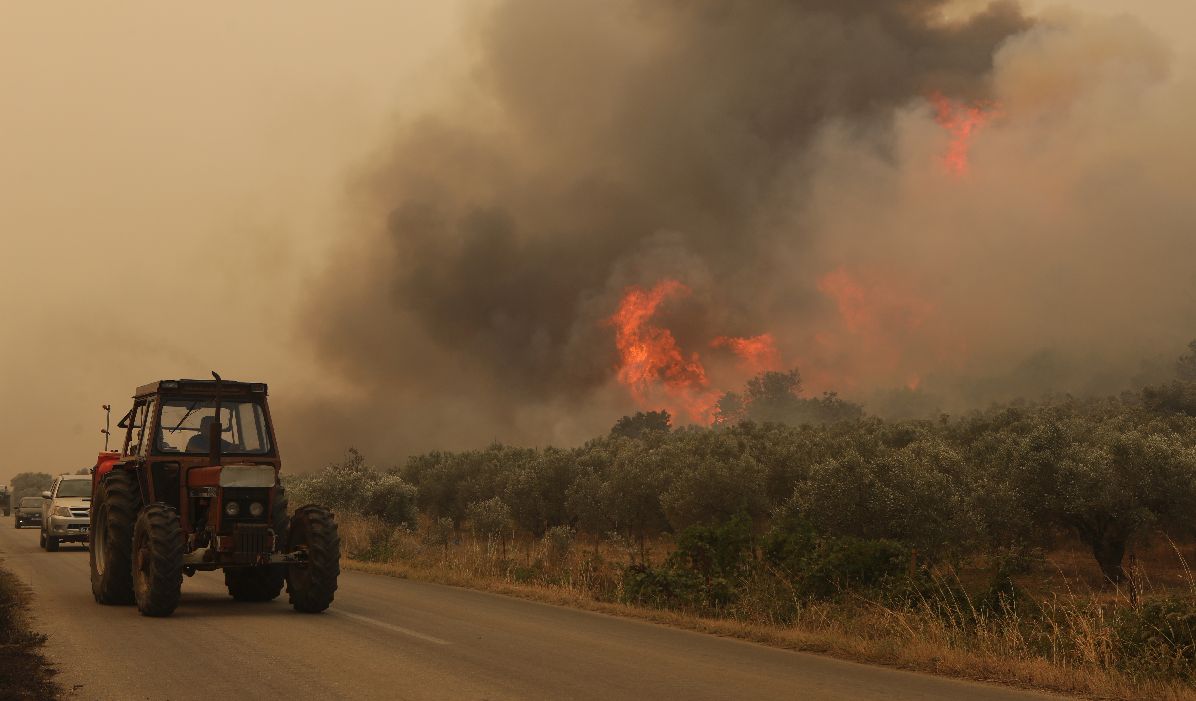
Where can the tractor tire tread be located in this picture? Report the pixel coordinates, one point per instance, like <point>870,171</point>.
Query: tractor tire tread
<point>159,525</point>
<point>313,591</point>
<point>119,500</point>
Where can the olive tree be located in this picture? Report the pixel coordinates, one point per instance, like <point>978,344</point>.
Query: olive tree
<point>29,484</point>
<point>1109,477</point>
<point>913,494</point>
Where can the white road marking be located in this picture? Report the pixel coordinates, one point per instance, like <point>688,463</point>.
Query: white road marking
<point>387,626</point>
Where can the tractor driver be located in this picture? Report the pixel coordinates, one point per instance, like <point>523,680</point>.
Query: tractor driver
<point>199,443</point>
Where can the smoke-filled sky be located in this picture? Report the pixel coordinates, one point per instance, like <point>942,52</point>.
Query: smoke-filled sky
<point>416,220</point>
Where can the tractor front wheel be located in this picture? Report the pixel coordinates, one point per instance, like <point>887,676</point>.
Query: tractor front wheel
<point>312,584</point>
<point>157,560</point>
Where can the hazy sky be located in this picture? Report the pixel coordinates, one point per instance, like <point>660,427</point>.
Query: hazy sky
<point>171,176</point>
<point>168,176</point>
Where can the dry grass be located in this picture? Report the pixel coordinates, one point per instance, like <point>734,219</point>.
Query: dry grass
<point>1074,652</point>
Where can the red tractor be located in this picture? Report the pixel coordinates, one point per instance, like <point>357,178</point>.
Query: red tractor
<point>196,487</point>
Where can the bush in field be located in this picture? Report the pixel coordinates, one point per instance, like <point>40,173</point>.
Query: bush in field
<point>714,552</point>
<point>660,587</point>
<point>838,564</point>
<point>702,572</point>
<point>821,566</point>
<point>393,501</point>
<point>489,517</point>
<point>1158,639</point>
<point>343,486</point>
<point>440,532</point>
<point>558,540</point>
<point>353,486</point>
<point>790,540</point>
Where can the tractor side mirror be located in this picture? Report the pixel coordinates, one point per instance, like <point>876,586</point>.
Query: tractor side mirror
<point>214,438</point>
<point>45,495</point>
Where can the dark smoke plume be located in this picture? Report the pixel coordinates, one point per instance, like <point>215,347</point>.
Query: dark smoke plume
<point>601,145</point>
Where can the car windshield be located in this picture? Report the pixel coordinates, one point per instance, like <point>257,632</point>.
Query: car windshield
<point>184,427</point>
<point>74,488</point>
<point>30,501</point>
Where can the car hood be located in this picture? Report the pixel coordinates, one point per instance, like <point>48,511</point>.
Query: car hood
<point>73,502</point>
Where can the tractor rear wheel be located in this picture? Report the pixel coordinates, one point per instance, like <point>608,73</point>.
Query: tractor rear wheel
<point>312,585</point>
<point>113,514</point>
<point>157,560</point>
<point>264,582</point>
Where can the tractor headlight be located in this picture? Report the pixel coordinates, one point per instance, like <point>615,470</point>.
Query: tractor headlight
<point>256,509</point>
<point>232,508</point>
<point>62,511</point>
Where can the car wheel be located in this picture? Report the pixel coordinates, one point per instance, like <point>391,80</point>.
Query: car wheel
<point>51,544</point>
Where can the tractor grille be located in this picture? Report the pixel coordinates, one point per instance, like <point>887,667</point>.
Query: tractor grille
<point>251,538</point>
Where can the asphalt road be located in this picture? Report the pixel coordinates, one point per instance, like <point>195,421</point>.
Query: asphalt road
<point>387,638</point>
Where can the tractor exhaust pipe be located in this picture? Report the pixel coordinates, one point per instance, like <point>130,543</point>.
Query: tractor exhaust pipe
<point>217,431</point>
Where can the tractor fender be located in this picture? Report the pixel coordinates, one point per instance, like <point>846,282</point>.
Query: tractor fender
<point>103,466</point>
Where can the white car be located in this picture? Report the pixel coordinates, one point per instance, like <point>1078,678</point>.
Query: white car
<point>66,511</point>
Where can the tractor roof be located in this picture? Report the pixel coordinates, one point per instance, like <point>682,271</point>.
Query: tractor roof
<point>227,387</point>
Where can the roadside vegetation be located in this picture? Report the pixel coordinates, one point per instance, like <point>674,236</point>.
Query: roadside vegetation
<point>24,672</point>
<point>29,484</point>
<point>1043,544</point>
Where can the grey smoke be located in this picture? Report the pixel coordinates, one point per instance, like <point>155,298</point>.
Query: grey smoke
<point>600,145</point>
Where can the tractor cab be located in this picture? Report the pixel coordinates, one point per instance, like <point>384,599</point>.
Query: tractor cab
<point>205,448</point>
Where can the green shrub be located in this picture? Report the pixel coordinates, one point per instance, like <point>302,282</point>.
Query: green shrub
<point>838,564</point>
<point>702,573</point>
<point>790,540</point>
<point>557,542</point>
<point>1158,639</point>
<point>713,551</point>
<point>489,517</point>
<point>661,587</point>
<point>440,532</point>
<point>393,501</point>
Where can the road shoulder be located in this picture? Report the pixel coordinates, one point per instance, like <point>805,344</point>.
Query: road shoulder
<point>25,672</point>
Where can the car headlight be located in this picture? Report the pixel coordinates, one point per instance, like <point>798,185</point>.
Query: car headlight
<point>256,509</point>
<point>62,511</point>
<point>232,508</point>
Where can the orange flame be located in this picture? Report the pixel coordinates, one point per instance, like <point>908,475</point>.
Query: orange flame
<point>651,362</point>
<point>961,121</point>
<point>883,331</point>
<point>757,353</point>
